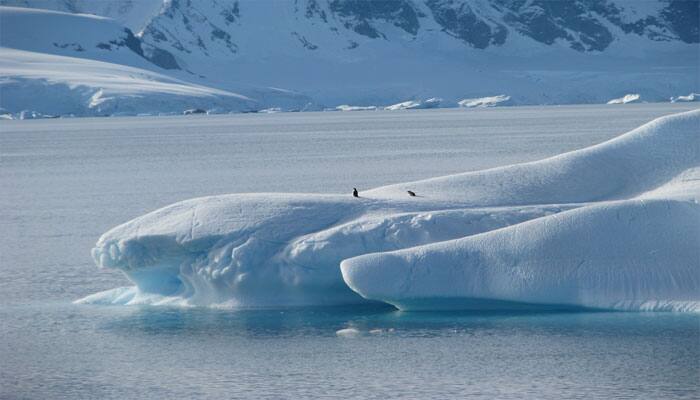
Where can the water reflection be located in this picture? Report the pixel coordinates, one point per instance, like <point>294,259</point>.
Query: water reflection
<point>377,320</point>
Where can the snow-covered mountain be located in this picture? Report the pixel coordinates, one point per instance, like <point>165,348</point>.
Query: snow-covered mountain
<point>55,63</point>
<point>384,52</point>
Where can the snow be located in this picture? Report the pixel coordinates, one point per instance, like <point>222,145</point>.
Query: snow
<point>433,102</point>
<point>346,107</point>
<point>690,97</point>
<point>628,98</point>
<point>267,35</point>
<point>632,243</point>
<point>54,63</point>
<point>348,333</point>
<point>133,14</point>
<point>611,226</point>
<point>626,255</point>
<point>490,101</point>
<point>60,85</point>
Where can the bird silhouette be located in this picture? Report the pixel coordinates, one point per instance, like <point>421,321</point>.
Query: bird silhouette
<point>354,192</point>
<point>411,193</point>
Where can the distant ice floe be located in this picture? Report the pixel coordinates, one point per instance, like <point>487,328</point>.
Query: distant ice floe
<point>271,110</point>
<point>491,101</point>
<point>412,104</point>
<point>688,98</point>
<point>628,98</point>
<point>345,107</point>
<point>612,226</point>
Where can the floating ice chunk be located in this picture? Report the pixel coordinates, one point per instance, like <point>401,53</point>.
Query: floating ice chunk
<point>348,333</point>
<point>345,107</point>
<point>193,111</point>
<point>688,98</point>
<point>491,101</point>
<point>628,98</point>
<point>272,110</point>
<point>411,104</point>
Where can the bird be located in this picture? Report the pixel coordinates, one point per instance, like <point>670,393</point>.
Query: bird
<point>354,192</point>
<point>411,193</point>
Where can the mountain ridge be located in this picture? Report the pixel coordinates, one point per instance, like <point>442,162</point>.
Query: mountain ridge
<point>324,53</point>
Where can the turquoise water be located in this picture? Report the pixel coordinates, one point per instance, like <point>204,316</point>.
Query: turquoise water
<point>123,352</point>
<point>65,182</point>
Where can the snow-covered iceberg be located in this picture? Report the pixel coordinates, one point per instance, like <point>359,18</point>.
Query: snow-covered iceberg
<point>480,102</point>
<point>688,98</point>
<point>612,226</point>
<point>635,254</point>
<point>346,107</point>
<point>628,98</point>
<point>433,102</point>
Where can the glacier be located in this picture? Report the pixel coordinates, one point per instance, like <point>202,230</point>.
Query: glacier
<point>611,226</point>
<point>61,64</point>
<point>339,52</point>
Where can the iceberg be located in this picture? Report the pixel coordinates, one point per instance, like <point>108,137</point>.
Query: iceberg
<point>611,226</point>
<point>628,255</point>
<point>346,107</point>
<point>628,98</point>
<point>491,101</point>
<point>688,98</point>
<point>433,102</point>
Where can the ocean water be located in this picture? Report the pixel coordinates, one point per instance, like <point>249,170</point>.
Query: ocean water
<point>64,182</point>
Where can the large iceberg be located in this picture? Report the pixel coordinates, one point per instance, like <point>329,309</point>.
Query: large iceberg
<point>612,226</point>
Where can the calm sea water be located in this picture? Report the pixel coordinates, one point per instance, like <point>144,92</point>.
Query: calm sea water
<point>64,182</point>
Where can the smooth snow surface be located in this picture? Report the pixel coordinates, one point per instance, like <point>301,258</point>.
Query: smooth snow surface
<point>47,84</point>
<point>611,226</point>
<point>60,64</point>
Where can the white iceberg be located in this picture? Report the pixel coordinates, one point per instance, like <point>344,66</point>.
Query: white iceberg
<point>628,98</point>
<point>490,101</point>
<point>612,226</point>
<point>688,98</point>
<point>433,102</point>
<point>346,107</point>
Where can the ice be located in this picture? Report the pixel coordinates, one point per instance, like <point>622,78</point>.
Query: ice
<point>627,255</point>
<point>433,102</point>
<point>346,107</point>
<point>58,85</point>
<point>610,226</point>
<point>628,98</point>
<point>348,333</point>
<point>626,247</point>
<point>490,101</point>
<point>324,78</point>
<point>54,63</point>
<point>690,97</point>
